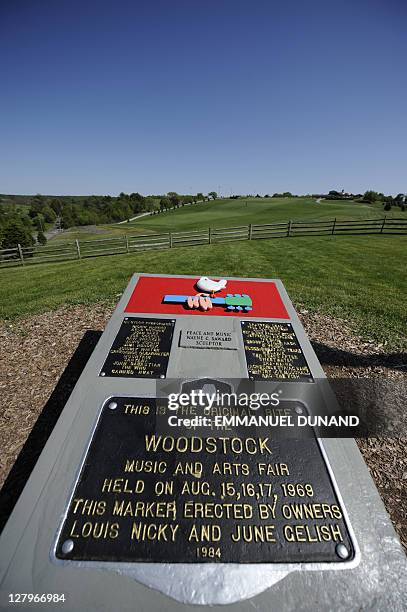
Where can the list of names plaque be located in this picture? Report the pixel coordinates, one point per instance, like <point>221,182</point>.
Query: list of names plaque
<point>273,352</point>
<point>150,493</point>
<point>141,349</point>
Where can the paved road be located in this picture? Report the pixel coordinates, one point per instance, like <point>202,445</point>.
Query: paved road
<point>52,232</point>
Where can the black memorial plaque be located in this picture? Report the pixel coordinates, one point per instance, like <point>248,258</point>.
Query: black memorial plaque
<point>273,352</point>
<point>141,349</point>
<point>152,493</point>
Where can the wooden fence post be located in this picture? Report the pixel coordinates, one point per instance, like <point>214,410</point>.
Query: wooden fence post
<point>289,228</point>
<point>20,250</point>
<point>209,235</point>
<point>333,226</point>
<point>127,243</point>
<point>170,236</point>
<point>383,224</point>
<point>78,249</point>
<point>250,231</point>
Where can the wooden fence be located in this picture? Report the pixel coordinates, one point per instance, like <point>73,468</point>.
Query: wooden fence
<point>131,243</point>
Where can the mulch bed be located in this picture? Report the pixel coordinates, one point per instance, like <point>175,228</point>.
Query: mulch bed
<point>36,350</point>
<point>347,356</point>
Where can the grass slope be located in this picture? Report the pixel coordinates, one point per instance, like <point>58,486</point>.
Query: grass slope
<point>361,278</point>
<point>223,213</point>
<point>258,211</point>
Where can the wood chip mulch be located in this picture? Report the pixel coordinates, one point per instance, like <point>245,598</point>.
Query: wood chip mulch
<point>347,356</point>
<point>36,350</point>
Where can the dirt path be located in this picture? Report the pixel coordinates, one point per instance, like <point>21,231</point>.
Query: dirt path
<point>36,350</point>
<point>145,214</point>
<point>150,212</point>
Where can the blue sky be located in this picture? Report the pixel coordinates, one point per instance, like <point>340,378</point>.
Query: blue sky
<point>187,95</point>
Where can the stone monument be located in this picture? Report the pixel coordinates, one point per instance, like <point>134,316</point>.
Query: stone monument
<point>138,504</point>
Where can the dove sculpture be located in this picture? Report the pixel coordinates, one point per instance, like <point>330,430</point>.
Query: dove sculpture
<point>210,286</point>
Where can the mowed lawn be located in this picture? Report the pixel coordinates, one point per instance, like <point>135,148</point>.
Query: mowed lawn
<point>224,213</point>
<point>360,278</point>
<point>96,232</point>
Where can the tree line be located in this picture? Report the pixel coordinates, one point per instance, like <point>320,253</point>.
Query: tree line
<point>25,219</point>
<point>388,201</point>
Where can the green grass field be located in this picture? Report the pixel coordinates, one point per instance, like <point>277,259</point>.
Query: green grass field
<point>256,210</point>
<point>84,233</point>
<point>360,278</point>
<point>223,213</point>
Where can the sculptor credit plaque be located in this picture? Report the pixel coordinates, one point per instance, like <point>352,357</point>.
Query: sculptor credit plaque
<point>218,339</point>
<point>150,493</point>
<point>141,349</point>
<point>273,352</point>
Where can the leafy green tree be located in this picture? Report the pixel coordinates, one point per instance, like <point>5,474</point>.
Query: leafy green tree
<point>40,206</point>
<point>199,196</point>
<point>174,200</point>
<point>67,218</point>
<point>14,234</point>
<point>213,195</point>
<point>370,196</point>
<point>41,238</point>
<point>25,220</point>
<point>34,211</point>
<point>49,214</point>
<point>165,203</point>
<point>151,204</point>
<point>136,196</point>
<point>39,223</point>
<point>38,200</point>
<point>56,206</point>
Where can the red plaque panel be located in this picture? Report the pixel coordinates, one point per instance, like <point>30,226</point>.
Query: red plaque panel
<point>150,291</point>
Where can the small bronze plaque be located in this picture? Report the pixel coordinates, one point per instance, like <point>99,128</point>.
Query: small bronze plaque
<point>208,339</point>
<point>152,493</point>
<point>273,352</point>
<point>141,349</point>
